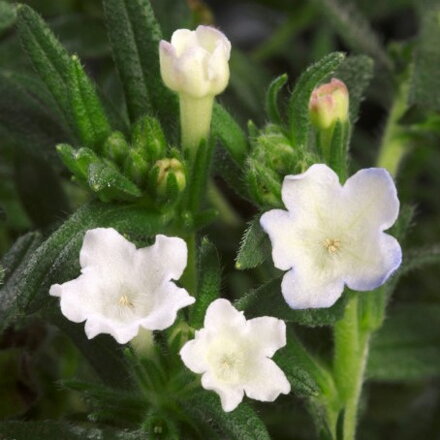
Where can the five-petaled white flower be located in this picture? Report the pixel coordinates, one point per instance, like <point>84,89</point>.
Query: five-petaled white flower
<point>196,62</point>
<point>233,355</point>
<point>122,288</point>
<point>333,235</point>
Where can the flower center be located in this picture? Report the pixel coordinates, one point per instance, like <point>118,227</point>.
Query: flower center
<point>228,367</point>
<point>125,301</point>
<point>332,245</point>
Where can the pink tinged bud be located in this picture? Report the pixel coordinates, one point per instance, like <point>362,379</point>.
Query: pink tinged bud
<point>329,104</point>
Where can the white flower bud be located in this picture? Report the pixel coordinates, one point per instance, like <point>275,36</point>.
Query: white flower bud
<point>195,63</point>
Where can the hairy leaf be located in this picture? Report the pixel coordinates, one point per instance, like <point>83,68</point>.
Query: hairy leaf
<point>229,132</point>
<point>254,247</point>
<point>7,16</point>
<point>90,120</point>
<point>208,284</point>
<point>272,109</point>
<point>134,36</point>
<point>299,101</point>
<point>268,300</point>
<point>407,347</point>
<point>55,430</point>
<point>240,424</point>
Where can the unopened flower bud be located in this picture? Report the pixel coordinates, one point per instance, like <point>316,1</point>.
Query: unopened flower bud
<point>116,147</point>
<point>329,104</point>
<point>169,178</point>
<point>148,139</point>
<point>196,62</point>
<point>136,167</point>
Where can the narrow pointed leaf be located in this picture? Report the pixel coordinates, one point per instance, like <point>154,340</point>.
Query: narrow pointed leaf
<point>272,104</point>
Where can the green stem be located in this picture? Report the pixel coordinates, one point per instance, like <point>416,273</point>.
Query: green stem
<point>195,120</point>
<point>351,351</point>
<point>189,277</point>
<point>226,212</point>
<point>394,144</point>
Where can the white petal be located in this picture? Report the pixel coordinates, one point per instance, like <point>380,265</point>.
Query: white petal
<point>376,261</point>
<point>303,291</point>
<point>168,61</point>
<point>182,40</point>
<point>97,324</point>
<point>218,71</point>
<point>371,198</point>
<point>267,382</point>
<point>168,300</point>
<point>210,38</point>
<point>194,351</point>
<point>222,314</point>
<point>107,251</point>
<point>267,334</point>
<point>230,395</point>
<point>193,72</point>
<point>278,224</point>
<point>313,192</point>
<point>166,259</point>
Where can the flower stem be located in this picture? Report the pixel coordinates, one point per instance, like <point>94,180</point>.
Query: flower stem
<point>195,120</point>
<point>394,143</point>
<point>189,277</point>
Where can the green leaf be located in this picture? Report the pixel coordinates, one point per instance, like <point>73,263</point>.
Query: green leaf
<point>55,430</point>
<point>240,424</point>
<point>418,258</point>
<point>254,247</point>
<point>354,28</point>
<point>356,72</point>
<point>90,120</point>
<point>209,282</point>
<point>338,150</point>
<point>77,161</point>
<point>231,135</point>
<point>134,36</point>
<point>407,347</point>
<point>56,259</point>
<point>49,58</point>
<point>268,300</point>
<point>7,16</point>
<point>110,184</point>
<point>299,101</point>
<point>425,81</point>
<point>272,109</point>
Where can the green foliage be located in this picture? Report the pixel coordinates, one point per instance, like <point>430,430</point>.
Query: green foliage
<point>254,246</point>
<point>7,16</point>
<point>268,300</point>
<point>240,424</point>
<point>209,282</point>
<point>229,133</point>
<point>425,82</point>
<point>418,258</point>
<point>49,58</point>
<point>272,93</point>
<point>54,430</point>
<point>407,347</point>
<point>299,101</point>
<point>90,120</point>
<point>134,36</point>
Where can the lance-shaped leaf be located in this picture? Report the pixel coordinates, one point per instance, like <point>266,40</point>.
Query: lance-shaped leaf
<point>49,58</point>
<point>208,286</point>
<point>254,247</point>
<point>272,104</point>
<point>230,133</point>
<point>134,36</point>
<point>7,16</point>
<point>299,101</point>
<point>91,122</point>
<point>77,161</point>
<point>267,300</point>
<point>241,424</point>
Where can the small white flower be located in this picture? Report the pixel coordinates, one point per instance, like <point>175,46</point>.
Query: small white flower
<point>196,62</point>
<point>234,355</point>
<point>122,288</point>
<point>333,235</point>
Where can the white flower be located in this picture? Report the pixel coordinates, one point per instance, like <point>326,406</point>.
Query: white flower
<point>122,288</point>
<point>234,355</point>
<point>333,235</point>
<point>196,62</point>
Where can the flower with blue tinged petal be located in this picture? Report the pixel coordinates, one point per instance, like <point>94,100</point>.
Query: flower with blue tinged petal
<point>122,289</point>
<point>333,235</point>
<point>233,355</point>
<point>196,63</point>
